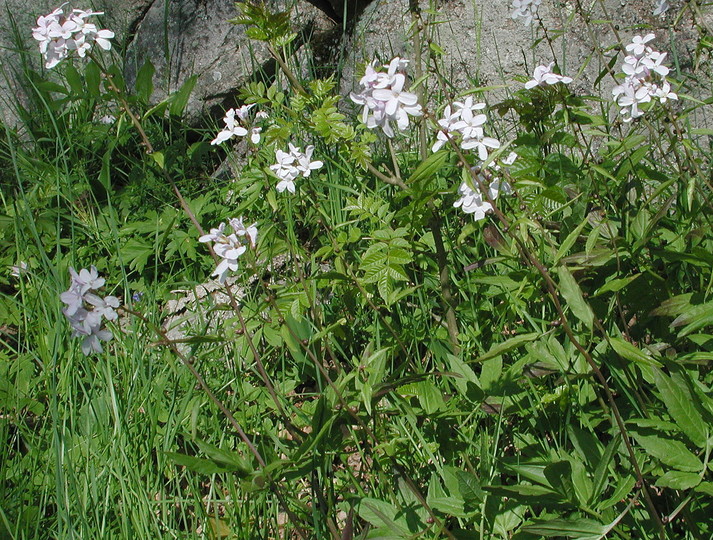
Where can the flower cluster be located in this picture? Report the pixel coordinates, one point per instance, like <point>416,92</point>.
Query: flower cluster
<point>237,126</point>
<point>525,10</point>
<point>60,33</point>
<point>230,246</point>
<point>464,120</point>
<point>544,75</point>
<point>292,164</point>
<point>645,78</point>
<point>85,309</point>
<point>384,98</point>
<point>471,199</point>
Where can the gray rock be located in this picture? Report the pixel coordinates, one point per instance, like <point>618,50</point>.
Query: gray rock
<point>483,46</point>
<point>194,37</point>
<point>181,38</point>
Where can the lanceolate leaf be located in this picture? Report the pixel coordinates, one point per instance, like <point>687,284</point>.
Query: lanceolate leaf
<point>679,404</point>
<point>575,528</point>
<point>669,451</point>
<point>573,297</point>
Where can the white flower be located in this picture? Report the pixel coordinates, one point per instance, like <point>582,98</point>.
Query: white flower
<point>468,126</point>
<point>231,246</point>
<point>293,164</point>
<point>384,98</point>
<point>241,230</point>
<point>525,10</point>
<point>544,75</point>
<point>471,202</point>
<point>638,44</point>
<point>664,92</point>
<point>231,129</point>
<point>58,34</point>
<point>645,78</point>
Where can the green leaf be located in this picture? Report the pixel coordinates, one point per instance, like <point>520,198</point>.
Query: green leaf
<point>669,451</point>
<point>571,528</point>
<point>449,504</point>
<point>430,397</point>
<point>679,404</point>
<point>572,295</point>
<point>199,465</point>
<point>469,487</point>
<point>629,352</point>
<point>179,100</point>
<point>229,458</point>
<point>381,514</point>
<point>137,252</point>
<point>428,167</point>
<point>694,318</point>
<point>614,285</point>
<point>705,487</point>
<point>568,242</point>
<point>144,81</point>
<point>679,480</point>
<point>508,345</point>
<point>74,79</point>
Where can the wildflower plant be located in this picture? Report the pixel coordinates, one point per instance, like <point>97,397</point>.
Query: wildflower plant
<point>487,321</point>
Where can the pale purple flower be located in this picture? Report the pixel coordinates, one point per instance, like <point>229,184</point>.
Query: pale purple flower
<point>58,34</point>
<point>645,78</point>
<point>85,309</point>
<point>384,99</point>
<point>293,164</point>
<point>662,7</point>
<point>544,75</point>
<point>230,247</point>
